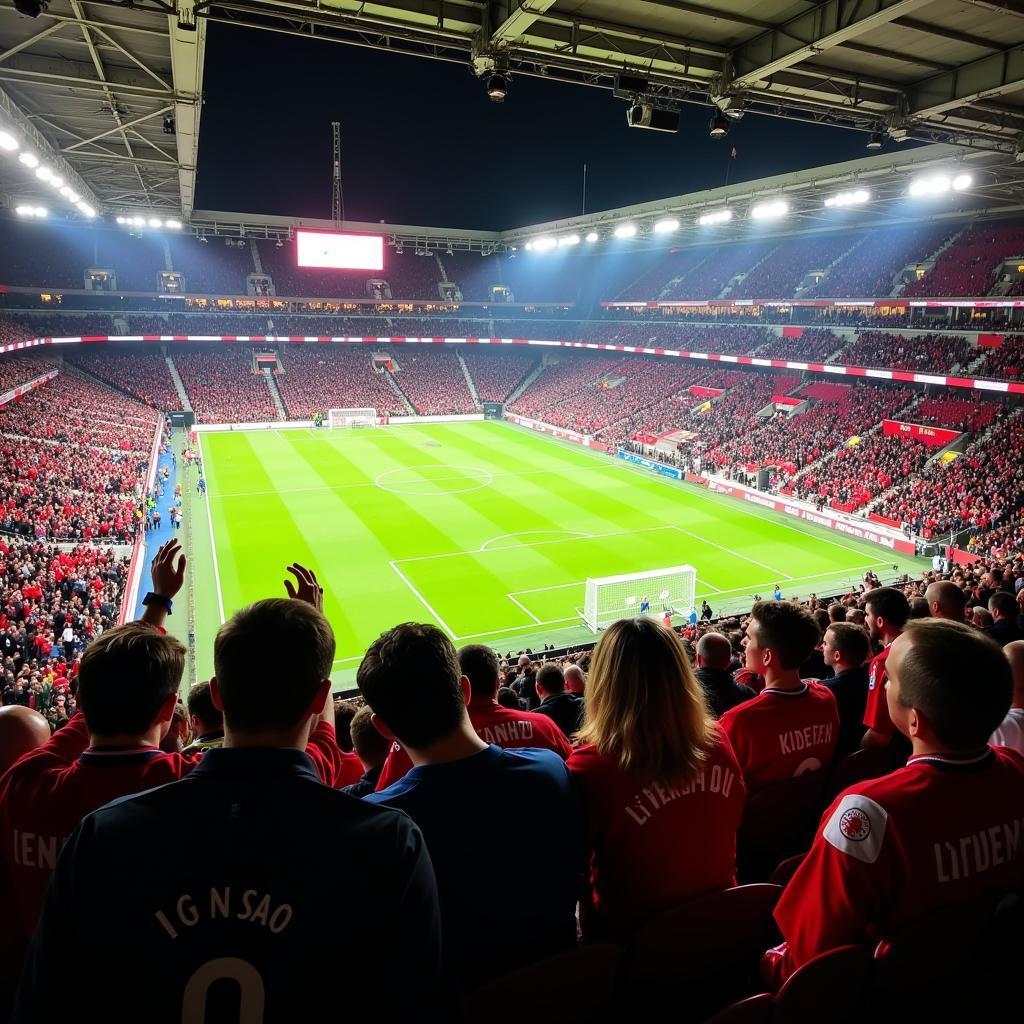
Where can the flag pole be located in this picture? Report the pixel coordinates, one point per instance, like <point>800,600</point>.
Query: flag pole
<point>584,188</point>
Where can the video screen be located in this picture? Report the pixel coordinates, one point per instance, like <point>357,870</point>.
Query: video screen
<point>337,251</point>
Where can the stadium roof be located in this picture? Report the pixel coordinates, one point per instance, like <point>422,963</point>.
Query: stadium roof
<point>938,70</point>
<point>87,87</point>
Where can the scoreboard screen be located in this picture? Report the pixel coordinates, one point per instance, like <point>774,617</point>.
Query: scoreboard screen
<point>339,251</point>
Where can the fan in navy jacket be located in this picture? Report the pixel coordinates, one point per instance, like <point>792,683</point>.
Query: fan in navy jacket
<point>239,892</point>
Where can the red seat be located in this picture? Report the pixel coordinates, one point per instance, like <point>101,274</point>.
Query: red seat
<point>828,988</point>
<point>861,765</point>
<point>786,869</point>
<point>778,822</point>
<point>707,950</point>
<point>575,985</point>
<point>759,1009</point>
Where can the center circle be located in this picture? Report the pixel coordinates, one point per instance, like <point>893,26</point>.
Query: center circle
<point>434,479</point>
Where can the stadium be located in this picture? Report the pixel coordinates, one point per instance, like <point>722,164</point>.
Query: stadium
<point>635,473</point>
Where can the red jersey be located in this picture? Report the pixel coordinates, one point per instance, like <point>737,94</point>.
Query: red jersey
<point>653,847</point>
<point>876,712</point>
<point>48,792</point>
<point>783,733</point>
<point>493,724</point>
<point>889,851</point>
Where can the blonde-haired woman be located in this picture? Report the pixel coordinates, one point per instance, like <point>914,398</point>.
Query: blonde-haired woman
<point>661,786</point>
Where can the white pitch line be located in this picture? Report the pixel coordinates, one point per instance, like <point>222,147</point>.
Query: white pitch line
<point>571,534</point>
<point>536,544</point>
<point>735,554</point>
<point>213,546</point>
<point>523,606</point>
<point>515,629</point>
<point>405,579</point>
<point>371,483</point>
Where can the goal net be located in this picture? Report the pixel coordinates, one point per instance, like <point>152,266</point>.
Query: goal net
<point>347,418</point>
<point>617,597</point>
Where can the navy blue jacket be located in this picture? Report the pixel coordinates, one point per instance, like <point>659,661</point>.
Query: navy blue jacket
<point>244,891</point>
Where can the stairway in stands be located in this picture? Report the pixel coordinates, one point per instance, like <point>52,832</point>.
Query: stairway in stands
<point>469,381</point>
<point>268,376</point>
<point>390,377</point>
<point>177,381</point>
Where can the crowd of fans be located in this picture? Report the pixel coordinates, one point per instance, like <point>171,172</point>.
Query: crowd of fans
<point>815,344</point>
<point>222,385</point>
<point>316,378</point>
<point>972,414</point>
<point>498,372</point>
<point>19,369</point>
<point>731,740</point>
<point>970,266</point>
<point>139,372</point>
<point>797,441</point>
<point>1005,360</point>
<point>781,274</point>
<point>959,495</point>
<point>923,353</point>
<point>433,381</point>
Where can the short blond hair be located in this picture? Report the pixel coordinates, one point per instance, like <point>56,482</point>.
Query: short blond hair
<point>645,707</point>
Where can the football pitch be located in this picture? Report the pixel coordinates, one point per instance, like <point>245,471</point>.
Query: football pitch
<point>484,528</point>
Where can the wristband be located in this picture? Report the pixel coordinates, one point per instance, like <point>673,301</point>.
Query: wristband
<point>153,598</point>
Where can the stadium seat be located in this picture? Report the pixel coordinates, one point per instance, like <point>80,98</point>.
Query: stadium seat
<point>828,988</point>
<point>778,822</point>
<point>708,948</point>
<point>576,985</point>
<point>861,765</point>
<point>785,870</point>
<point>759,1009</point>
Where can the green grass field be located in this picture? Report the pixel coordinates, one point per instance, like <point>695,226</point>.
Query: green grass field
<point>484,528</point>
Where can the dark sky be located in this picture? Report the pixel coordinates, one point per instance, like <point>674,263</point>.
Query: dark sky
<point>422,144</point>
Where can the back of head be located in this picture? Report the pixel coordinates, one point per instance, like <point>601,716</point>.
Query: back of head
<point>550,678</point>
<point>507,698</point>
<point>787,629</point>
<point>411,677</point>
<point>270,660</point>
<point>344,712</point>
<point>202,708</point>
<point>850,641</point>
<point>575,680</point>
<point>645,707</point>
<point>981,617</point>
<point>957,678</point>
<point>714,651</point>
<point>1002,604</point>
<point>836,613</point>
<point>21,729</point>
<point>919,608</point>
<point>949,599</point>
<point>479,665</point>
<point>367,742</point>
<point>125,676</point>
<point>890,604</point>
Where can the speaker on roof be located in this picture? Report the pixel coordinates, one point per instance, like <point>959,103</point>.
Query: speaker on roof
<point>643,115</point>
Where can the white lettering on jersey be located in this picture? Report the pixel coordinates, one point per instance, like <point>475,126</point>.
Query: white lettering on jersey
<point>857,828</point>
<point>977,853</point>
<point>507,732</point>
<point>652,798</point>
<point>36,851</point>
<point>801,739</point>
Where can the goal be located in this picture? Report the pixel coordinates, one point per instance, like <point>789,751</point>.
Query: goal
<point>617,597</point>
<point>348,418</point>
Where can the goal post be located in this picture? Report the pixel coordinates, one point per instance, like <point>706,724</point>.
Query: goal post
<point>609,598</point>
<point>341,419</point>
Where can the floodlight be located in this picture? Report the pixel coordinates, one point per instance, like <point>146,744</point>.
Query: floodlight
<point>569,240</point>
<point>962,182</point>
<point>29,159</point>
<point>173,225</point>
<point>770,210</point>
<point>934,185</point>
<point>155,222</point>
<point>592,236</point>
<point>543,244</point>
<point>663,227</point>
<point>44,173</point>
<point>137,222</point>
<point>121,220</point>
<point>73,197</point>
<point>40,211</point>
<point>57,182</point>
<point>8,142</point>
<point>718,126</point>
<point>715,217</point>
<point>24,211</point>
<point>86,209</point>
<point>855,198</point>
<point>625,231</point>
<point>497,87</point>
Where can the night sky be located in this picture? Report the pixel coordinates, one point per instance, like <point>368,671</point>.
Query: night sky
<point>422,143</point>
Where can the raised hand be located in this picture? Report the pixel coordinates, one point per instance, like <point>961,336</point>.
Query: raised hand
<point>306,588</point>
<point>168,578</point>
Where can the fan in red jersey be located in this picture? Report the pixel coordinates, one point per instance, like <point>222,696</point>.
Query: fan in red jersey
<point>661,787</point>
<point>943,829</point>
<point>791,726</point>
<point>886,613</point>
<point>494,724</point>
